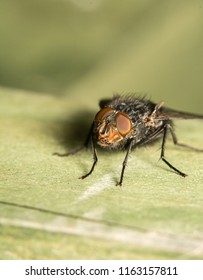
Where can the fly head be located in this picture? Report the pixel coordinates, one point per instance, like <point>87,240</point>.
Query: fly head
<point>111,128</point>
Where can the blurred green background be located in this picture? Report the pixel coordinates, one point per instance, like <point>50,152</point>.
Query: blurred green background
<point>95,48</point>
<point>58,58</point>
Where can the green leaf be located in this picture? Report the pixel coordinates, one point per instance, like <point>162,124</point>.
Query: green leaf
<point>48,213</point>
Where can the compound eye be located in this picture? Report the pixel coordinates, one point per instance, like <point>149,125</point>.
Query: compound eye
<point>123,123</point>
<point>103,113</point>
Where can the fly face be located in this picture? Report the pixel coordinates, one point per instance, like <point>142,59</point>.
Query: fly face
<point>111,127</point>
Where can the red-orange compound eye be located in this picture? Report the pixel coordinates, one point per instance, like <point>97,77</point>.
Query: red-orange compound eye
<point>123,123</point>
<point>103,113</point>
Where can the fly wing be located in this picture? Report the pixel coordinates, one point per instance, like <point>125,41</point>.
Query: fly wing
<point>173,114</point>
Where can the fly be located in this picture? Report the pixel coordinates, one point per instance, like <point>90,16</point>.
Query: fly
<point>127,122</point>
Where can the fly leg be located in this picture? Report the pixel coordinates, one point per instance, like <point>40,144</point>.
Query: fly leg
<point>125,164</point>
<point>175,141</point>
<point>94,159</point>
<point>165,130</point>
<point>69,153</point>
<point>76,150</point>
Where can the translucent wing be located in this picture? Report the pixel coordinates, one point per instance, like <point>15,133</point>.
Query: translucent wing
<point>163,113</point>
<point>173,114</point>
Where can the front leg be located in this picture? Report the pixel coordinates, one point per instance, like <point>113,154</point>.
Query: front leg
<point>125,163</point>
<point>95,159</point>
